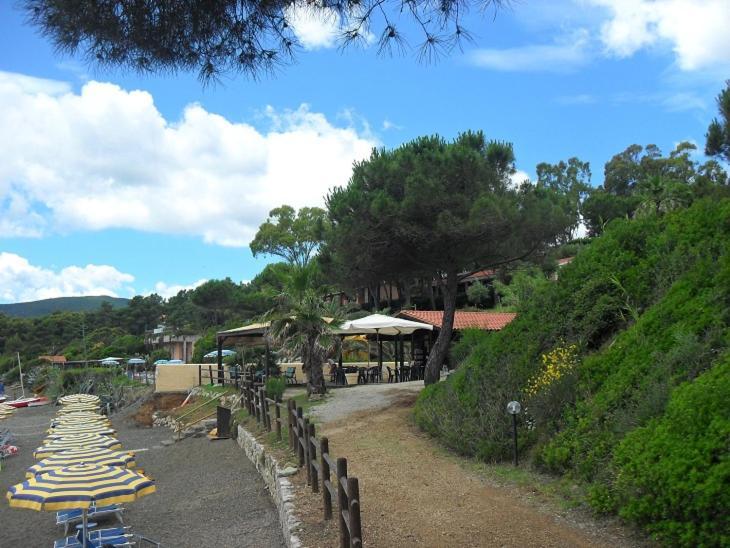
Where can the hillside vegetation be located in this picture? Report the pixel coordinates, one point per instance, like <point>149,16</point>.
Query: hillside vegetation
<point>623,369</point>
<point>35,309</point>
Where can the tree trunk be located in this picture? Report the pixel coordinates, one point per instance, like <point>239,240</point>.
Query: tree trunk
<point>441,347</point>
<point>316,378</point>
<point>431,296</point>
<point>404,292</point>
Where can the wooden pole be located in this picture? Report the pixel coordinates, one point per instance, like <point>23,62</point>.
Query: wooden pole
<point>277,416</point>
<point>353,495</point>
<point>312,458</point>
<point>324,449</point>
<point>342,502</point>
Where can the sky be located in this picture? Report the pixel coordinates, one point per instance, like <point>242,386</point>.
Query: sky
<point>122,184</point>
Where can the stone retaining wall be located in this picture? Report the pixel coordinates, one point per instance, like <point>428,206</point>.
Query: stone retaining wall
<point>280,488</point>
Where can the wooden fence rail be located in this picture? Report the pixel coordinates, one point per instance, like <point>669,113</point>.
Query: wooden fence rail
<point>313,454</point>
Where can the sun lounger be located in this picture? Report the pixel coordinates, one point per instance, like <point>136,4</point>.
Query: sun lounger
<point>70,517</point>
<point>117,536</point>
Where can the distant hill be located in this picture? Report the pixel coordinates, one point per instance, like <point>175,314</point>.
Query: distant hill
<point>35,309</point>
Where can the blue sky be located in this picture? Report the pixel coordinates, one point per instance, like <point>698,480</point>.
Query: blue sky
<point>116,183</point>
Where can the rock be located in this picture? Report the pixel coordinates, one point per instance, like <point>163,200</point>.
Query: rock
<point>288,471</point>
<point>210,423</point>
<point>167,443</point>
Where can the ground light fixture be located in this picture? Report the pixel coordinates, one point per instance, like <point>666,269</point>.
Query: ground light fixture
<point>514,408</point>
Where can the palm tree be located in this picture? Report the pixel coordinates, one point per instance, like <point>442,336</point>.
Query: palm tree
<point>303,323</point>
<point>659,196</point>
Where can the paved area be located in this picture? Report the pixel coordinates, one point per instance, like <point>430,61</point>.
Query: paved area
<point>208,493</point>
<point>345,401</point>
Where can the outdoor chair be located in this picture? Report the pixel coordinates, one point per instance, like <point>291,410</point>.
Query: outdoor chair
<point>362,375</point>
<point>374,374</point>
<point>117,536</point>
<point>70,517</point>
<point>333,370</point>
<point>291,375</point>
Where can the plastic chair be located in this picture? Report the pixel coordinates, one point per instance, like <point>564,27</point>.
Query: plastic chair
<point>117,536</point>
<point>291,375</point>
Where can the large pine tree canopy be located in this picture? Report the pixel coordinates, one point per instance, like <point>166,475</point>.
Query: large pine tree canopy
<point>216,37</point>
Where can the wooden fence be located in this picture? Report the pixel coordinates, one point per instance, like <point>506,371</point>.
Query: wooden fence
<point>313,454</point>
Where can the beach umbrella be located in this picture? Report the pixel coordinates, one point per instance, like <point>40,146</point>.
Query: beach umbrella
<point>84,455</point>
<point>110,361</point>
<point>161,362</point>
<point>69,420</point>
<point>65,430</point>
<point>80,486</point>
<point>73,407</point>
<point>225,352</point>
<point>79,398</point>
<point>75,441</point>
<point>135,361</point>
<point>174,362</point>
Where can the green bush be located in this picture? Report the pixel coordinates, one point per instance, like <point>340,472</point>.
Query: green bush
<point>673,474</point>
<point>275,387</point>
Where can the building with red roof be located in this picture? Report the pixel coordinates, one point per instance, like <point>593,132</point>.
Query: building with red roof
<point>485,320</point>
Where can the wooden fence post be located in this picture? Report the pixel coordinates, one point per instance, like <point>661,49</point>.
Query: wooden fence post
<point>200,375</point>
<point>312,449</point>
<point>277,417</point>
<point>353,494</point>
<point>307,454</point>
<point>262,404</point>
<point>290,417</point>
<point>210,374</point>
<point>342,506</point>
<point>300,448</point>
<point>324,449</point>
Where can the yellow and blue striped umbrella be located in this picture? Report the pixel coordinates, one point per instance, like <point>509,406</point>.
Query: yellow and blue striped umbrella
<point>64,430</point>
<point>80,416</point>
<point>84,455</point>
<point>75,407</point>
<point>80,486</point>
<point>79,398</point>
<point>74,442</point>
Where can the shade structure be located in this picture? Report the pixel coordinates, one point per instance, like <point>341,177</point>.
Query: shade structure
<point>174,362</point>
<point>135,361</point>
<point>161,362</point>
<point>76,441</point>
<point>80,486</point>
<point>65,430</point>
<point>79,398</point>
<point>382,325</point>
<point>80,419</point>
<point>85,455</point>
<point>109,361</point>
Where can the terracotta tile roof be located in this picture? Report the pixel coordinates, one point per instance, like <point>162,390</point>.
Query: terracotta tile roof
<point>490,321</point>
<point>480,275</point>
<point>53,359</point>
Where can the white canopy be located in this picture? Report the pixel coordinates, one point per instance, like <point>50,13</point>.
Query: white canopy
<point>384,325</point>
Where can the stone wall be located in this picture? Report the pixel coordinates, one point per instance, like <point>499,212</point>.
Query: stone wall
<point>280,488</point>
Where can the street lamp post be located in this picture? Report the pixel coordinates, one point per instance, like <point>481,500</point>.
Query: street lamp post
<point>514,408</point>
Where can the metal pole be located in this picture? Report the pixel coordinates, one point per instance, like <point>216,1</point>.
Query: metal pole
<point>20,370</point>
<point>514,435</point>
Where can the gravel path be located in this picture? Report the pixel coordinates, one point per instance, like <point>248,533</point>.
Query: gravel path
<point>208,493</point>
<point>344,401</point>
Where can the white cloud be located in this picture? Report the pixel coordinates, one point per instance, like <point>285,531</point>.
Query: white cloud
<point>106,158</point>
<point>314,28</point>
<point>518,177</point>
<point>21,281</point>
<point>566,55</point>
<point>166,291</point>
<point>696,30</point>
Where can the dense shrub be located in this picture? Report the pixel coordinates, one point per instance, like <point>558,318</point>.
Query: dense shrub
<point>275,387</point>
<point>673,474</point>
<point>648,306</point>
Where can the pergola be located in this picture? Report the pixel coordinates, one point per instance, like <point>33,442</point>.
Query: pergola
<point>383,327</point>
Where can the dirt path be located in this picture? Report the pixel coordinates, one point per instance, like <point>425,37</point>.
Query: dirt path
<point>414,494</point>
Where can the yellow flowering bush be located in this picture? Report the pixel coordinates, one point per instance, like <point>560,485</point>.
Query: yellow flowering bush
<point>555,364</point>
